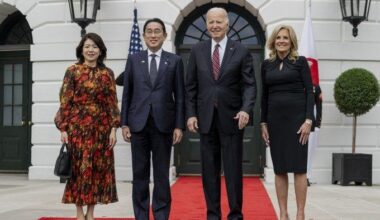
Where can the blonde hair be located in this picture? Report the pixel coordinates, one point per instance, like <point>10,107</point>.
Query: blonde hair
<point>293,55</point>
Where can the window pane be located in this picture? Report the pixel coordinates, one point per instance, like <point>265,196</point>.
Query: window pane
<point>17,98</point>
<point>232,17</point>
<point>8,95</point>
<point>200,23</point>
<point>192,31</point>
<point>18,73</point>
<point>8,74</point>
<point>240,24</point>
<point>17,115</point>
<point>248,31</point>
<point>7,116</point>
<point>233,35</point>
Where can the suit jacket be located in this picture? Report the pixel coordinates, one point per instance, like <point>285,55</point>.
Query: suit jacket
<point>234,91</point>
<point>120,79</point>
<point>164,100</point>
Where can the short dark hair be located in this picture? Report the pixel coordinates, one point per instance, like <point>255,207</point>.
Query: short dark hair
<point>99,42</point>
<point>155,20</point>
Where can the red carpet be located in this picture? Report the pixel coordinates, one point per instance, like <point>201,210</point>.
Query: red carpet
<point>188,201</point>
<point>189,204</point>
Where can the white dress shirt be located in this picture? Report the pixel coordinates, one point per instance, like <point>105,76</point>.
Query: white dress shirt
<point>222,48</point>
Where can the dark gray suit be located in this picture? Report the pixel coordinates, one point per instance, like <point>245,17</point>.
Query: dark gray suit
<point>215,103</point>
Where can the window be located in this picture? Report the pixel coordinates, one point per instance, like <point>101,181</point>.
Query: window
<point>244,27</point>
<point>15,30</point>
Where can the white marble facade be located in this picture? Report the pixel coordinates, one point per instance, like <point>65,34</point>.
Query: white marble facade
<point>55,39</point>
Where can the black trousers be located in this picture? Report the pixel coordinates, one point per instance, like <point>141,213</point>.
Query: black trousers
<point>214,146</point>
<point>151,142</point>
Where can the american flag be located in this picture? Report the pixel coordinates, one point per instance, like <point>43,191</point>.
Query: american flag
<point>135,44</point>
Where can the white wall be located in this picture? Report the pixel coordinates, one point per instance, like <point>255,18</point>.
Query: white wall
<point>55,39</point>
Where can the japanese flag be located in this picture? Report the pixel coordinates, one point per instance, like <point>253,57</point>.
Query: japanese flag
<point>307,48</point>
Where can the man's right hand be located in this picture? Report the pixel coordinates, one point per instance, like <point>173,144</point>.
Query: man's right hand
<point>126,134</point>
<point>192,124</point>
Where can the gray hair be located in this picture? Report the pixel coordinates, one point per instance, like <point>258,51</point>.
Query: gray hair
<point>218,9</point>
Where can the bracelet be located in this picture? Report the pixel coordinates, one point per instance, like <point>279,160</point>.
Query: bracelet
<point>308,121</point>
<point>263,124</point>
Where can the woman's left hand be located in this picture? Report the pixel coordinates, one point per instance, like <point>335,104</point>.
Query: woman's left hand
<point>304,131</point>
<point>112,138</point>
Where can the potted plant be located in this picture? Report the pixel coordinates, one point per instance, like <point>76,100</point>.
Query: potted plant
<point>356,91</point>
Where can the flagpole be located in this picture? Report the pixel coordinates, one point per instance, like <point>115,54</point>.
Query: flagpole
<point>308,8</point>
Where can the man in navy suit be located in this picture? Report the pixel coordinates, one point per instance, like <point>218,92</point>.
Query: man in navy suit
<point>152,117</point>
<point>220,95</point>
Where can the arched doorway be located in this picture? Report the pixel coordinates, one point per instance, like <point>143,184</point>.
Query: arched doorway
<point>15,92</point>
<point>245,28</point>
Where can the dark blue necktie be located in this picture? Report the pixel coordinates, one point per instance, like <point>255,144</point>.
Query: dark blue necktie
<point>153,69</point>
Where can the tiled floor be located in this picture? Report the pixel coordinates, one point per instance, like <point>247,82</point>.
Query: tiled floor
<point>335,202</point>
<point>22,199</point>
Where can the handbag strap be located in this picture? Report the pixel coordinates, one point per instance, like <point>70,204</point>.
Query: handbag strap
<point>64,145</point>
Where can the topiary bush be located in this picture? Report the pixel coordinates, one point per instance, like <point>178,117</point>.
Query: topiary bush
<point>356,91</point>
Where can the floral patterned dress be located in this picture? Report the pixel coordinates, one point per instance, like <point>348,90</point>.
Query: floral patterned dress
<point>88,111</point>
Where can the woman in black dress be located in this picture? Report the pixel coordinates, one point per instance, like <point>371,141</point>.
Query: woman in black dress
<point>287,115</point>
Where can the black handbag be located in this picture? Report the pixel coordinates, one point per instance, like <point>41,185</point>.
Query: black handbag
<point>63,163</point>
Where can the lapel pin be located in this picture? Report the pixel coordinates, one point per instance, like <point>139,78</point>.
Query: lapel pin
<point>142,61</point>
<point>166,63</point>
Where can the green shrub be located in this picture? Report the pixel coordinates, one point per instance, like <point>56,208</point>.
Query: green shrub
<point>356,91</point>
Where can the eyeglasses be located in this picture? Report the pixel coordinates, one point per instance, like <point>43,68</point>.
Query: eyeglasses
<point>150,32</point>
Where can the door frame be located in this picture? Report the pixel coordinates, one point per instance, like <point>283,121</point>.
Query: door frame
<point>22,52</point>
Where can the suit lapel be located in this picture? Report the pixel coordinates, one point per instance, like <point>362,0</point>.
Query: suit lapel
<point>164,62</point>
<point>207,52</point>
<point>228,52</point>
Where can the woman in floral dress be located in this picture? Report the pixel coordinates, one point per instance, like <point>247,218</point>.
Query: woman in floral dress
<point>87,118</point>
